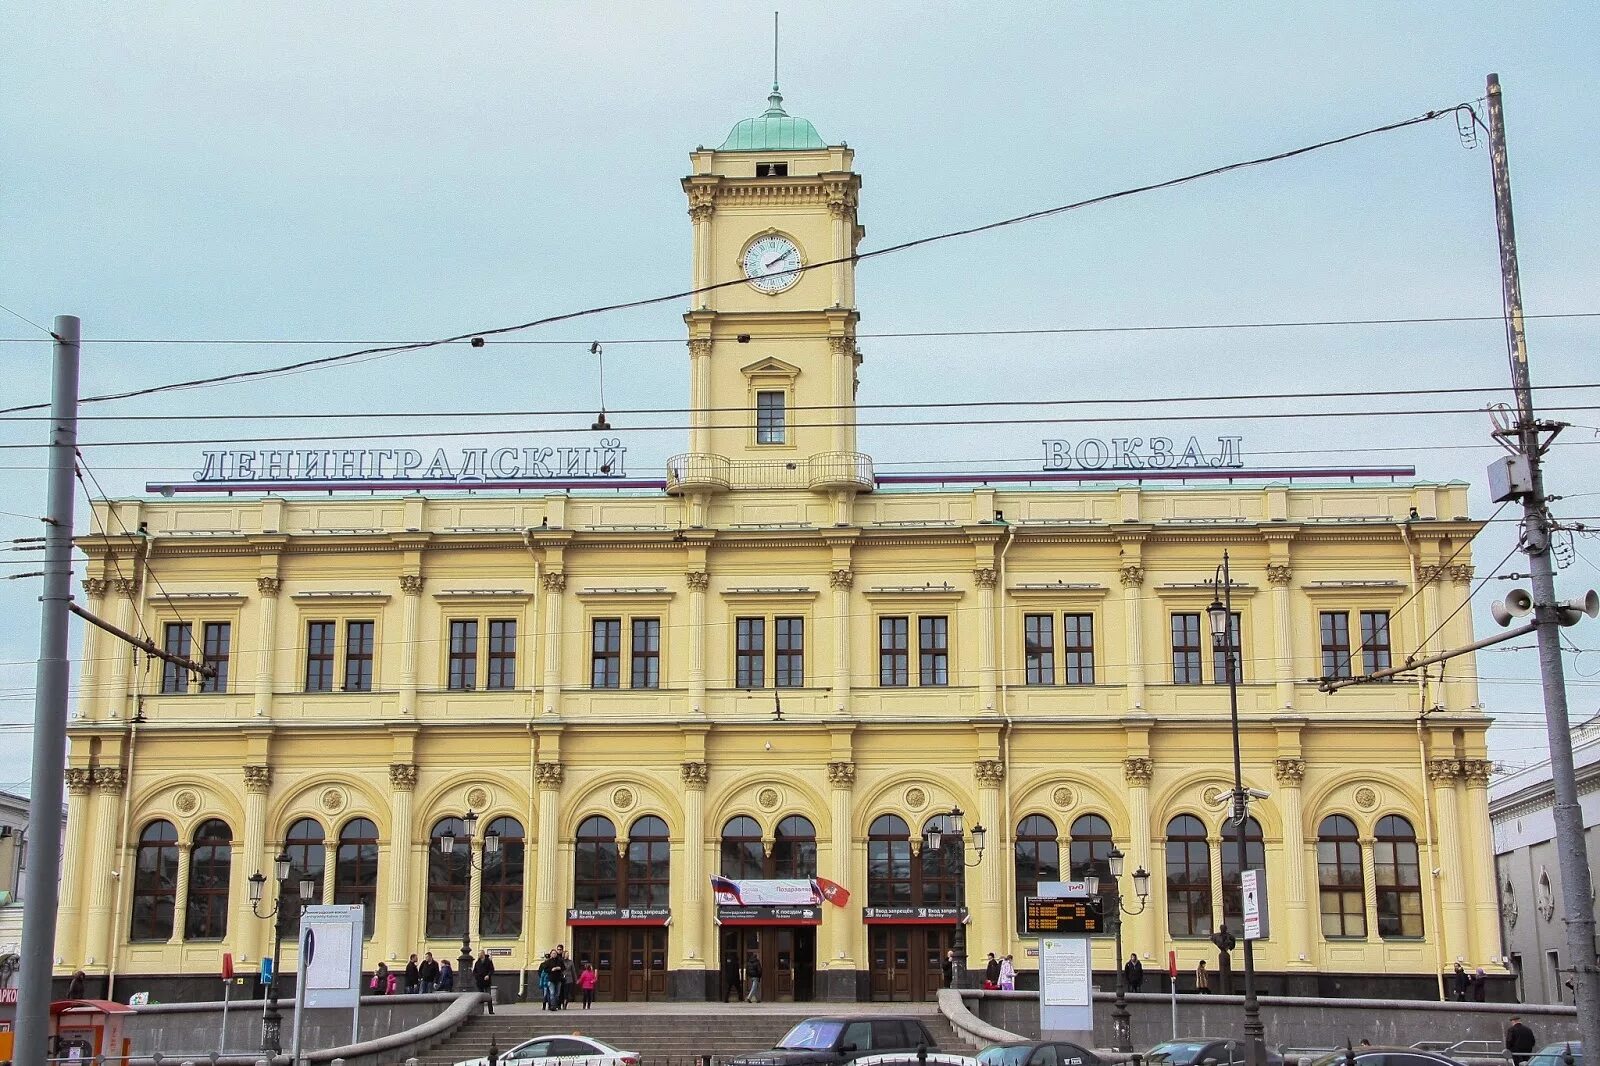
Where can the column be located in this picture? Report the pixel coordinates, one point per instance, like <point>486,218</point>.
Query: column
<point>701,208</point>
<point>841,210</point>
<point>547,910</point>
<point>1279,576</point>
<point>180,902</point>
<point>555,584</point>
<point>1485,918</point>
<point>104,862</point>
<point>843,924</point>
<point>991,926</point>
<point>1369,888</point>
<point>253,856</point>
<point>330,860</point>
<point>1132,577</point>
<point>75,867</point>
<point>1290,771</point>
<point>411,588</point>
<point>397,932</point>
<point>90,698</point>
<point>842,376</point>
<point>985,577</point>
<point>1443,773</point>
<point>475,887</point>
<point>1463,686</point>
<point>266,640</point>
<point>699,582</point>
<point>841,580</point>
<point>1140,934</point>
<point>694,947</point>
<point>120,658</point>
<point>699,393</point>
<point>1430,577</point>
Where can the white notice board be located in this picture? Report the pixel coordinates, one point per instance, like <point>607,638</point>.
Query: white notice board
<point>1064,971</point>
<point>331,960</point>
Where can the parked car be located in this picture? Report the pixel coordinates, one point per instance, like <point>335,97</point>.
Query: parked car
<point>1194,1050</point>
<point>562,1049</point>
<point>1037,1053</point>
<point>1555,1054</point>
<point>1386,1056</point>
<point>834,1041</point>
<point>916,1058</point>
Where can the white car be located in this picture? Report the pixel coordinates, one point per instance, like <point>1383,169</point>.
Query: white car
<point>561,1049</point>
<point>911,1058</point>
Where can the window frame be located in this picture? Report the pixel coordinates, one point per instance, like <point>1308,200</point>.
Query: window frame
<point>894,651</point>
<point>1028,846</point>
<point>155,881</point>
<point>360,855</point>
<point>1331,625</point>
<point>1342,888</point>
<point>1189,879</point>
<point>933,651</point>
<point>482,652</point>
<point>775,662</point>
<point>644,664</point>
<point>175,680</point>
<point>1039,648</point>
<point>502,888</point>
<point>206,905</point>
<point>605,653</point>
<point>448,885</point>
<point>1183,673</point>
<point>1389,879</point>
<point>1255,858</point>
<point>765,424</point>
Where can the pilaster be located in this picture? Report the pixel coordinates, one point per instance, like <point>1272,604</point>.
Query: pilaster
<point>1137,770</point>
<point>842,928</point>
<point>1442,773</point>
<point>266,639</point>
<point>1290,771</point>
<point>105,865</point>
<point>69,918</point>
<point>248,932</point>
<point>696,952</point>
<point>1131,575</point>
<point>548,775</point>
<point>397,931</point>
<point>1484,900</point>
<point>411,608</point>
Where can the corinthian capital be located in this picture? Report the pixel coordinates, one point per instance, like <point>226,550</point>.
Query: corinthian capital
<point>257,777</point>
<point>1279,573</point>
<point>78,780</point>
<point>841,579</point>
<point>95,586</point>
<point>268,586</point>
<point>694,775</point>
<point>548,774</point>
<point>699,580</point>
<point>700,347</point>
<point>1138,769</point>
<point>989,772</point>
<point>1131,575</point>
<point>411,584</point>
<point>402,776</point>
<point>985,577</point>
<point>1289,771</point>
<point>109,778</point>
<point>841,773</point>
<point>555,581</point>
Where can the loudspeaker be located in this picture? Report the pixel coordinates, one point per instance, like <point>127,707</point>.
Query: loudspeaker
<point>1517,603</point>
<point>1572,612</point>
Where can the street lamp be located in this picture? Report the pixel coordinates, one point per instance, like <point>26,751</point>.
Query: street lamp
<point>491,847</point>
<point>1113,909</point>
<point>953,824</point>
<point>272,1021</point>
<point>1223,640</point>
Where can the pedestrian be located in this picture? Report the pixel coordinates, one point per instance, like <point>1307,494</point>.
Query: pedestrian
<point>1008,975</point>
<point>752,971</point>
<point>1133,972</point>
<point>586,981</point>
<point>413,976</point>
<point>1458,984</point>
<point>558,980</point>
<point>75,986</point>
<point>380,980</point>
<point>732,984</point>
<point>393,984</point>
<point>950,969</point>
<point>1520,1041</point>
<point>483,976</point>
<point>569,975</point>
<point>1479,982</point>
<point>428,973</point>
<point>1202,980</point>
<point>544,981</point>
<point>991,972</point>
<point>447,976</point>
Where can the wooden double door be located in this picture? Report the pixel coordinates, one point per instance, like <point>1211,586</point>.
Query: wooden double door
<point>907,961</point>
<point>788,955</point>
<point>630,961</point>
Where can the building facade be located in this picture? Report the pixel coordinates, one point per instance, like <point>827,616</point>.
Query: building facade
<point>777,665</point>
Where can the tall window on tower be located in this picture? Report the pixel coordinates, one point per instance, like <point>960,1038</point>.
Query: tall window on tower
<point>770,422</point>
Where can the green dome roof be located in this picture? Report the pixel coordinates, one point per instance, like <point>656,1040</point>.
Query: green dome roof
<point>772,130</point>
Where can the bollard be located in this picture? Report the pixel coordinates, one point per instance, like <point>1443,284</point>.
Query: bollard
<point>494,1051</point>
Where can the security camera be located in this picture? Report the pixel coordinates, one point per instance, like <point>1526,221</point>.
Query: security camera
<point>1258,793</point>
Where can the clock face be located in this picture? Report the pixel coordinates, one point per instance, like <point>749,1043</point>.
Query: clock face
<point>772,263</point>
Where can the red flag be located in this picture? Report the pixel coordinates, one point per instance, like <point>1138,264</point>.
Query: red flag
<point>833,892</point>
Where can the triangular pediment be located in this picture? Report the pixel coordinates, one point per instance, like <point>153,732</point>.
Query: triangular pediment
<point>772,369</point>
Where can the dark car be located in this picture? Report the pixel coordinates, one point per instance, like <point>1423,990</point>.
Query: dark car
<point>1555,1054</point>
<point>1037,1053</point>
<point>1192,1051</point>
<point>1386,1056</point>
<point>831,1041</point>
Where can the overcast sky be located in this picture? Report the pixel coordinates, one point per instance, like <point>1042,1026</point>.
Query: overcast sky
<point>356,172</point>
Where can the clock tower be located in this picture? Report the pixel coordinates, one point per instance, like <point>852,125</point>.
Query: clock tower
<point>772,352</point>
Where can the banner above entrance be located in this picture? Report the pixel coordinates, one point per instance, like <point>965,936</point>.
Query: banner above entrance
<point>735,915</point>
<point>611,914</point>
<point>934,914</point>
<point>778,892</point>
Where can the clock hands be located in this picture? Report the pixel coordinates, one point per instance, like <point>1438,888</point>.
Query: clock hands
<point>774,262</point>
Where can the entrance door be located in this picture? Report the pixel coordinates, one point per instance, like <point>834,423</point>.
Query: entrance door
<point>630,961</point>
<point>788,955</point>
<point>908,961</point>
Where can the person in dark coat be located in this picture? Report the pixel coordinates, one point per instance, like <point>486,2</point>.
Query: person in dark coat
<point>950,969</point>
<point>428,973</point>
<point>483,977</point>
<point>1520,1041</point>
<point>75,986</point>
<point>752,972</point>
<point>1479,983</point>
<point>447,976</point>
<point>413,977</point>
<point>1458,984</point>
<point>991,972</point>
<point>731,983</point>
<point>1133,973</point>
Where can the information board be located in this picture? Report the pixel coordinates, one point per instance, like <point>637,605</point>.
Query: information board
<point>1050,916</point>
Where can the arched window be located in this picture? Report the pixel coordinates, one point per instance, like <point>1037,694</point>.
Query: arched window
<point>1342,893</point>
<point>649,863</point>
<point>888,862</point>
<point>595,867</point>
<point>307,858</point>
<point>500,898</point>
<point>449,877</point>
<point>210,865</point>
<point>1398,872</point>
<point>794,852</point>
<point>355,870</point>
<point>942,870</point>
<point>1255,858</point>
<point>1036,857</point>
<point>155,882</point>
<point>1188,877</point>
<point>1091,850</point>
<point>742,854</point>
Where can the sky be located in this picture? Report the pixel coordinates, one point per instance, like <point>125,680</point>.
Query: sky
<point>293,174</point>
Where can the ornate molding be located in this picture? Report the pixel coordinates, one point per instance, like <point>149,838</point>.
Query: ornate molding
<point>1289,770</point>
<point>269,586</point>
<point>1138,769</point>
<point>1476,771</point>
<point>555,581</point>
<point>702,202</point>
<point>989,772</point>
<point>845,345</point>
<point>1444,769</point>
<point>1461,573</point>
<point>109,778</point>
<point>411,584</point>
<point>701,212</point>
<point>699,580</point>
<point>700,347</point>
<point>402,776</point>
<point>1131,575</point>
<point>548,774</point>
<point>127,586</point>
<point>841,579</point>
<point>95,586</point>
<point>257,777</point>
<point>1429,574</point>
<point>985,576</point>
<point>78,780</point>
<point>1279,573</point>
<point>694,775</point>
<point>841,773</point>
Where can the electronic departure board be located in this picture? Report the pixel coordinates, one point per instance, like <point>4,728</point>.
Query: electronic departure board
<point>1046,916</point>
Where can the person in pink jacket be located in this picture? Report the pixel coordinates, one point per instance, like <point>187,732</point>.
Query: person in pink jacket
<point>586,981</point>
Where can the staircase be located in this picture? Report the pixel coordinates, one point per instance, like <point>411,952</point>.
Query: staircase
<point>668,1034</point>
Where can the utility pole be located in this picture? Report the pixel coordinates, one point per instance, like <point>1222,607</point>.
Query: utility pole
<point>1577,908</point>
<point>41,885</point>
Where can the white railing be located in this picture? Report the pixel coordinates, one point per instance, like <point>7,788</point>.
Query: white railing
<point>705,472</point>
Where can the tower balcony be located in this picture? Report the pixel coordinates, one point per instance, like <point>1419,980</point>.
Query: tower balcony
<point>823,472</point>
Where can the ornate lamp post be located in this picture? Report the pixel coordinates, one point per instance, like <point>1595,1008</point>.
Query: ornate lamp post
<point>272,1021</point>
<point>1223,640</point>
<point>1112,910</point>
<point>953,823</point>
<point>491,847</point>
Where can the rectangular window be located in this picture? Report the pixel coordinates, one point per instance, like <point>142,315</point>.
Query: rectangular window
<point>789,652</point>
<point>358,656</point>
<point>933,642</point>
<point>770,428</point>
<point>177,640</point>
<point>1335,644</point>
<point>320,641</point>
<point>1077,648</point>
<point>893,664</point>
<point>646,664</point>
<point>502,673</point>
<point>750,653</point>
<point>1219,658</point>
<point>218,637</point>
<point>1375,641</point>
<point>1039,649</point>
<point>606,653</point>
<point>1186,649</point>
<point>463,655</point>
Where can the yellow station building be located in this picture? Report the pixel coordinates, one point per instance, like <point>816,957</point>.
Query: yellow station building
<point>775,665</point>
